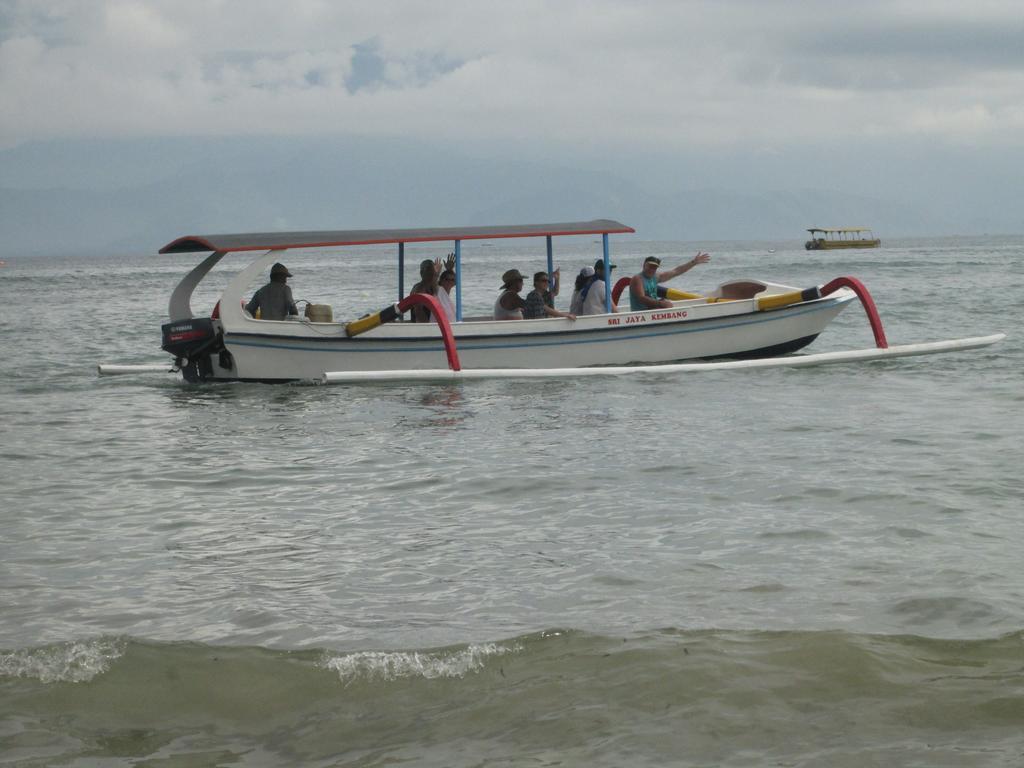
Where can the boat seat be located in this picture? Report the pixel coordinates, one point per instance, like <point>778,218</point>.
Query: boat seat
<point>743,289</point>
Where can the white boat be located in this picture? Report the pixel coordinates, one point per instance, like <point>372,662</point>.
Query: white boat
<point>740,319</point>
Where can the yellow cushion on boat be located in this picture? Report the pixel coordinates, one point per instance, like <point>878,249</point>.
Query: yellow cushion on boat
<point>673,295</point>
<point>779,300</point>
<point>363,324</point>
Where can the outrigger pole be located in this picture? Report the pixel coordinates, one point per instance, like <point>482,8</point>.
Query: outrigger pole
<point>793,361</point>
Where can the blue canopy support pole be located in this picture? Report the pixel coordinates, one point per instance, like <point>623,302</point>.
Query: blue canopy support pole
<point>401,271</point>
<point>607,275</point>
<point>551,265</point>
<point>458,281</point>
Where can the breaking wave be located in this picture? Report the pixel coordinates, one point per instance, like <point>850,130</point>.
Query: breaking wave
<point>72,662</point>
<point>651,698</point>
<point>384,665</point>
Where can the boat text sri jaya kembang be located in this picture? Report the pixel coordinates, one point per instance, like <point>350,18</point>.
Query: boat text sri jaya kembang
<point>841,237</point>
<point>740,319</point>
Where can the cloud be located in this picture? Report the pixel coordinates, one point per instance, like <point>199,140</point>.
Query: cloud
<point>132,24</point>
<point>371,69</point>
<point>651,74</point>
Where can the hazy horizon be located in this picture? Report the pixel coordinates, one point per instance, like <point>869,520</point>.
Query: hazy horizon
<point>129,122</point>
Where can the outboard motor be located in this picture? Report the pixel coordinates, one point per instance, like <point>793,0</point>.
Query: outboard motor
<point>192,342</point>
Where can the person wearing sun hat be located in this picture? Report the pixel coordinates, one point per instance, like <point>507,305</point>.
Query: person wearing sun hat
<point>509,305</point>
<point>274,300</point>
<point>643,288</point>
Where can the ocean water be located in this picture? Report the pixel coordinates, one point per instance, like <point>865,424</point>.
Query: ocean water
<point>806,567</point>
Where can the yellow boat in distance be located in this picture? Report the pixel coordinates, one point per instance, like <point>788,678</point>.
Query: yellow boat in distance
<point>841,237</point>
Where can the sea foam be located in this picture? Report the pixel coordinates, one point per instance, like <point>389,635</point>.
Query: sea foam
<point>73,662</point>
<point>392,665</point>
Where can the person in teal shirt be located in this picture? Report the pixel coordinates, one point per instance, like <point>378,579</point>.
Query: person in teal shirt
<point>643,288</point>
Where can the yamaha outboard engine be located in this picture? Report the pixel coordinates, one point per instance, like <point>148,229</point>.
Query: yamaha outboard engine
<point>192,342</point>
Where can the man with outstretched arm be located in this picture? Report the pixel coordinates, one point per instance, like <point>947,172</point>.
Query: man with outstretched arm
<point>643,288</point>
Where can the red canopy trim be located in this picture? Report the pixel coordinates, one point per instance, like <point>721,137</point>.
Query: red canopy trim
<point>263,241</point>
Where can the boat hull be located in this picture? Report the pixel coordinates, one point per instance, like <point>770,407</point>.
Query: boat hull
<point>283,351</point>
<point>831,245</point>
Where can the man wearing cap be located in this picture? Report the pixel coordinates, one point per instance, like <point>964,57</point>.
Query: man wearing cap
<point>509,305</point>
<point>643,288</point>
<point>274,300</point>
<point>593,292</point>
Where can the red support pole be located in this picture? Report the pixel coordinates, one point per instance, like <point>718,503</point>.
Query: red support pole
<point>865,300</point>
<point>428,301</point>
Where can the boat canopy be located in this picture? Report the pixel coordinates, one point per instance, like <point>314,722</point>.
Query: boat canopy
<point>812,230</point>
<point>279,241</point>
<point>260,241</point>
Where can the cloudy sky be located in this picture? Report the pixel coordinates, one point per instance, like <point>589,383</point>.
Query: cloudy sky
<point>757,73</point>
<point>634,82</point>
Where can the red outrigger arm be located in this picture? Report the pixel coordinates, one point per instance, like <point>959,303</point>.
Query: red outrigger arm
<point>865,300</point>
<point>619,287</point>
<point>393,312</point>
<point>428,301</point>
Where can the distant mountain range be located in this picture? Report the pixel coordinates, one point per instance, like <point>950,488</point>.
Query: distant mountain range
<point>131,196</point>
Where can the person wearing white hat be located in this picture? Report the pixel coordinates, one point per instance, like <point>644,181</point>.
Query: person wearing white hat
<point>274,300</point>
<point>593,292</point>
<point>576,303</point>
